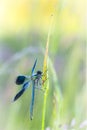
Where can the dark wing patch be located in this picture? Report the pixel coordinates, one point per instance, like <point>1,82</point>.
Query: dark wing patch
<point>20,79</point>
<point>19,94</point>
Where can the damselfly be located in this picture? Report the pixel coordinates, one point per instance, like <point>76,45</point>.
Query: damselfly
<point>25,81</point>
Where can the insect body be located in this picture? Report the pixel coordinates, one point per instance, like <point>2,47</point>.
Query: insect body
<point>35,79</point>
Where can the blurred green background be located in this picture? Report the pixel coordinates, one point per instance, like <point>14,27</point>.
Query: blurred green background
<point>24,26</point>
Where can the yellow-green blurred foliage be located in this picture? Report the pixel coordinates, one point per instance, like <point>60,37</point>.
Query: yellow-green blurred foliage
<point>24,26</point>
<point>20,15</point>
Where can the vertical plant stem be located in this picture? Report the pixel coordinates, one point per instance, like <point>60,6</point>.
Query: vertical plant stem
<point>47,45</point>
<point>44,110</point>
<point>45,66</point>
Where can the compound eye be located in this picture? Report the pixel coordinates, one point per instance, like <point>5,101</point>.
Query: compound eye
<point>20,79</point>
<point>39,72</point>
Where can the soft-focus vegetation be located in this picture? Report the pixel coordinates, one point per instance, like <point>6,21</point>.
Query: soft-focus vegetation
<point>24,26</point>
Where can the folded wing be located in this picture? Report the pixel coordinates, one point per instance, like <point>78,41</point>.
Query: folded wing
<point>20,93</point>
